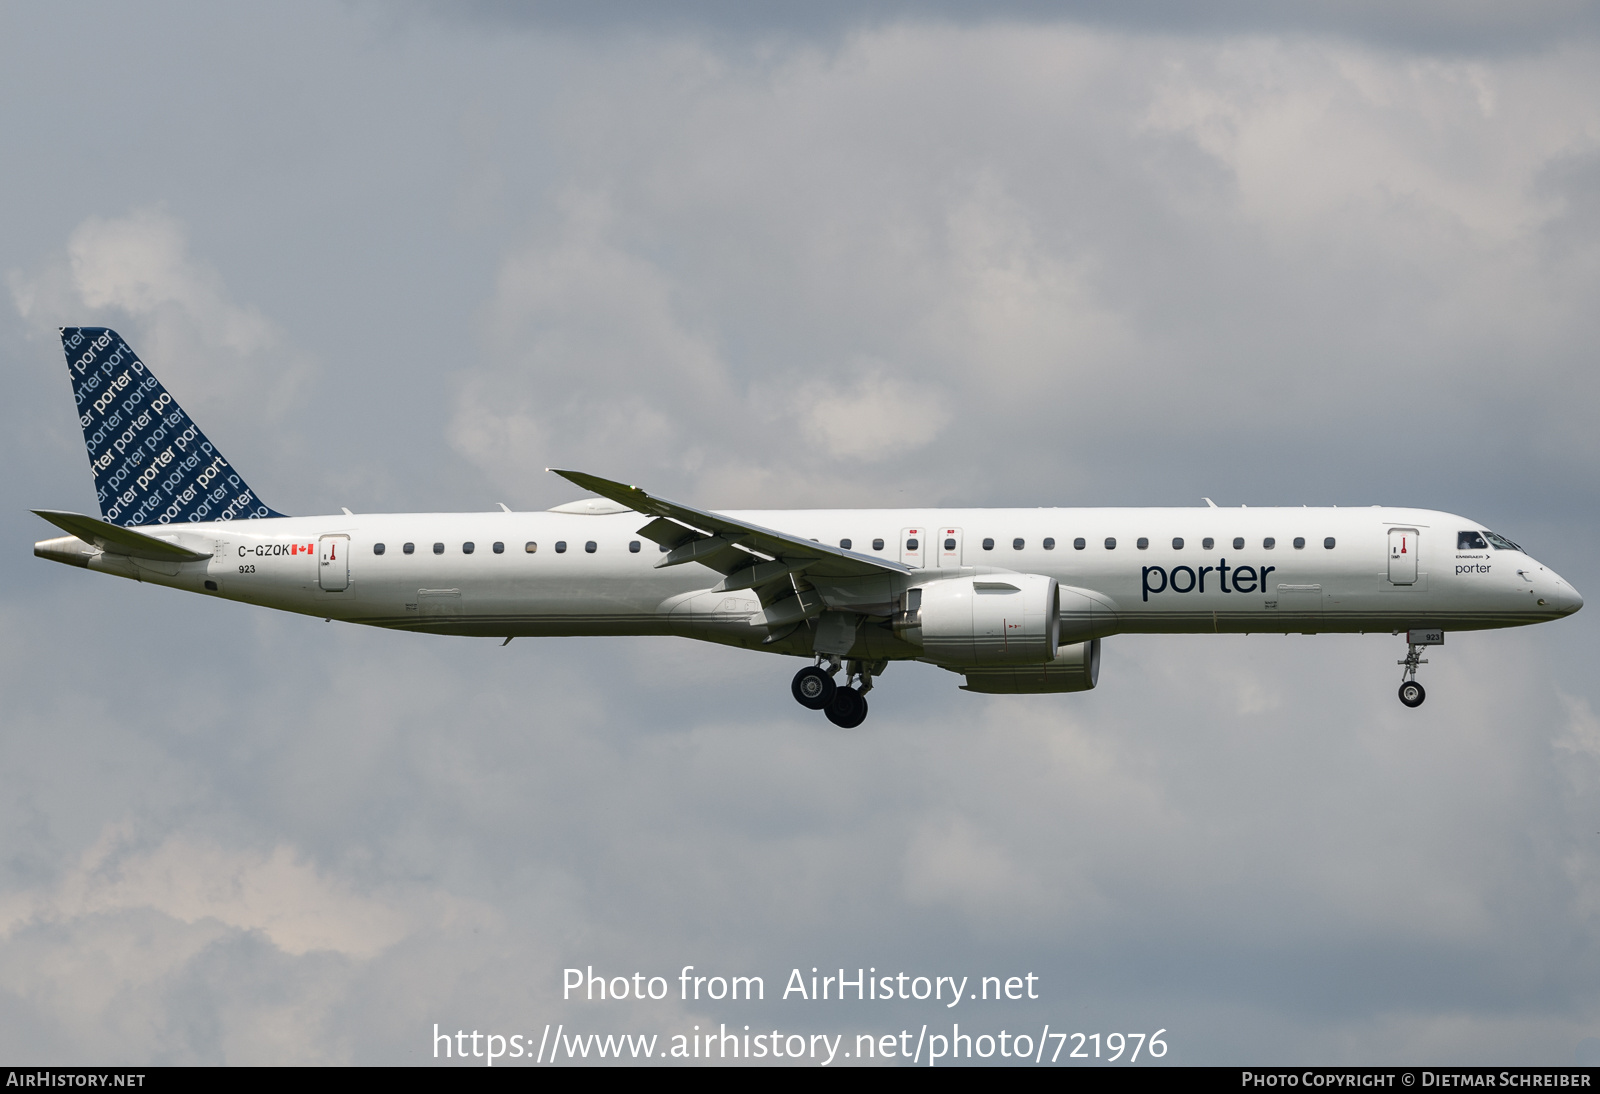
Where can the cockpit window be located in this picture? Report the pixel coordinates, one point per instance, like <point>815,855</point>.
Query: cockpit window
<point>1470,541</point>
<point>1500,543</point>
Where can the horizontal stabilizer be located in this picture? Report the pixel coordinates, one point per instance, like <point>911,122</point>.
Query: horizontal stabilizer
<point>119,541</point>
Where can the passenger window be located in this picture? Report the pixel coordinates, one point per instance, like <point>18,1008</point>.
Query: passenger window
<point>1269,543</point>
<point>409,548</point>
<point>438,548</point>
<point>1049,543</point>
<point>499,548</point>
<point>589,548</point>
<point>1328,543</point>
<point>633,547</point>
<point>844,544</point>
<point>1238,543</point>
<point>1208,544</point>
<point>561,546</point>
<point>1016,545</point>
<point>1299,543</point>
<point>911,544</point>
<point>1177,543</point>
<point>949,545</point>
<point>1142,543</point>
<point>468,547</point>
<point>1111,543</point>
<point>1470,541</point>
<point>377,548</point>
<point>530,547</point>
<point>877,545</point>
<point>988,545</point>
<point>1079,544</point>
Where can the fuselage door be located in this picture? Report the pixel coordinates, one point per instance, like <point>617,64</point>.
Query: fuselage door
<point>913,542</point>
<point>949,546</point>
<point>333,563</point>
<point>1402,556</point>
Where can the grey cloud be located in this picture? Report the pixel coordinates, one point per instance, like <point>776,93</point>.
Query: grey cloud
<point>1478,28</point>
<point>1133,225</point>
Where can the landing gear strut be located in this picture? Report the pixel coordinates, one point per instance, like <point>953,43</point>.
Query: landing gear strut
<point>1412,693</point>
<point>845,704</point>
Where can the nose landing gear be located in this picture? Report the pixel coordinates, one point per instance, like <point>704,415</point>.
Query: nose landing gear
<point>1412,693</point>
<point>844,704</point>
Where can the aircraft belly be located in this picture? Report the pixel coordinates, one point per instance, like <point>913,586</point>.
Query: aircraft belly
<point>465,604</point>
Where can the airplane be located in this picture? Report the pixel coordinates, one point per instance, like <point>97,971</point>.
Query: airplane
<point>1013,600</point>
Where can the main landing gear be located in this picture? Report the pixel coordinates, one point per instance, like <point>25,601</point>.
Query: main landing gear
<point>845,705</point>
<point>1412,693</point>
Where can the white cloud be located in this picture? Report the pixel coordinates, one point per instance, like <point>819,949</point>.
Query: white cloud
<point>870,416</point>
<point>276,893</point>
<point>207,348</point>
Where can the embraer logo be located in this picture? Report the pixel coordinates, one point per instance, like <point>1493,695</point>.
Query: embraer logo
<point>1189,579</point>
<point>262,550</point>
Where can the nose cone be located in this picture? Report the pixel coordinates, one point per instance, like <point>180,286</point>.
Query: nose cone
<point>1564,598</point>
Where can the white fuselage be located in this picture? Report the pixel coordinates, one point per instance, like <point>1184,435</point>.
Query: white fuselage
<point>1386,569</point>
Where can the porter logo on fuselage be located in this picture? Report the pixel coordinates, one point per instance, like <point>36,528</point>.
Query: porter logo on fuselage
<point>1192,579</point>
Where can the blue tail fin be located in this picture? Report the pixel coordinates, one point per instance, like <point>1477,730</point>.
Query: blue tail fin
<point>152,465</point>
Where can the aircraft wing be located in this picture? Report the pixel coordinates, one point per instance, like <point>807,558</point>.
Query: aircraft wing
<point>118,540</point>
<point>751,556</point>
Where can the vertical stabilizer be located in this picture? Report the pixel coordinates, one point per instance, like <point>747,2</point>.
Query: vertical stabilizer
<point>151,463</point>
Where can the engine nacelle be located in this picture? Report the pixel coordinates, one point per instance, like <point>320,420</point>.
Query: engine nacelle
<point>1085,614</point>
<point>995,619</point>
<point>1076,668</point>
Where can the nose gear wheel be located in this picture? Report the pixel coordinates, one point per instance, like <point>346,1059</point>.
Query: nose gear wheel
<point>1412,693</point>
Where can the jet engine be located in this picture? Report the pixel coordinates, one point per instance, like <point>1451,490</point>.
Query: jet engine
<point>1076,668</point>
<point>992,619</point>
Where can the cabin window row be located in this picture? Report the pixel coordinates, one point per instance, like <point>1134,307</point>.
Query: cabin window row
<point>1048,543</point>
<point>499,548</point>
<point>1142,543</point>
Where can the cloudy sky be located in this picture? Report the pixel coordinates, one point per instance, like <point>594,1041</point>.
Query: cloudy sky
<point>405,257</point>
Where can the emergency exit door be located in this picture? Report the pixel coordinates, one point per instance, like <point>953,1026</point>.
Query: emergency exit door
<point>913,542</point>
<point>1402,556</point>
<point>949,545</point>
<point>333,563</point>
